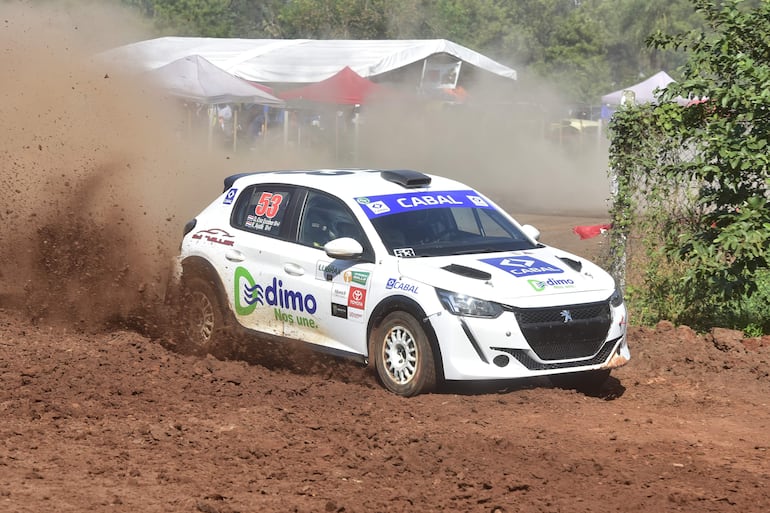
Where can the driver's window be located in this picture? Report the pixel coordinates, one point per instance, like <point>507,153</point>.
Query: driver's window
<point>325,218</point>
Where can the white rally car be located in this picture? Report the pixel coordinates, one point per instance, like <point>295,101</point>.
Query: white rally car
<point>421,275</point>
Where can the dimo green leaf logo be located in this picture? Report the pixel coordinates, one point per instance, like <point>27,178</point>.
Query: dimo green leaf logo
<point>247,293</point>
<point>556,283</point>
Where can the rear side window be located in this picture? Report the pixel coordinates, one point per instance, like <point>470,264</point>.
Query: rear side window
<point>263,209</point>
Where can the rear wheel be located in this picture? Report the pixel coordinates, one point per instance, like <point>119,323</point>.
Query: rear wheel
<point>202,322</point>
<point>403,355</point>
<point>590,382</point>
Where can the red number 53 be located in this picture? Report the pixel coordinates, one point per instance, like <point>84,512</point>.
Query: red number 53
<point>268,204</point>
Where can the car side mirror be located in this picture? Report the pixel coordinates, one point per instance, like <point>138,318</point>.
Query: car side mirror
<point>344,248</point>
<point>531,231</point>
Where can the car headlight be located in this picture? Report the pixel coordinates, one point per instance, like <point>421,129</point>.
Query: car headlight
<point>460,304</point>
<point>616,299</point>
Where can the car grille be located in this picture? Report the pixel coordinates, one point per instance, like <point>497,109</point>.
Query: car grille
<point>523,356</point>
<point>565,332</point>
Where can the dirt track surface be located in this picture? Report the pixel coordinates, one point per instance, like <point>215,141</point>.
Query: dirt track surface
<point>117,421</point>
<point>97,416</point>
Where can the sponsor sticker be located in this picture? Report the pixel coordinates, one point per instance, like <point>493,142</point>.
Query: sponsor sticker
<point>326,271</point>
<point>357,277</point>
<point>230,196</point>
<point>289,306</point>
<point>376,206</point>
<point>339,310</point>
<point>215,235</point>
<point>553,283</point>
<point>355,314</point>
<point>357,298</point>
<point>340,293</point>
<point>329,271</point>
<point>523,266</point>
<point>397,284</point>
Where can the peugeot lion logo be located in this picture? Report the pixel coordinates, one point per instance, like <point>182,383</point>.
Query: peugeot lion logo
<point>566,315</point>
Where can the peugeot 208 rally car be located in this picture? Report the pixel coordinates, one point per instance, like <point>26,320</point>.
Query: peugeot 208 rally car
<point>420,275</point>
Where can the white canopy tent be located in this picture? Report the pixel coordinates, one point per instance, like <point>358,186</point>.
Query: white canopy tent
<point>644,91</point>
<point>196,79</point>
<point>297,61</point>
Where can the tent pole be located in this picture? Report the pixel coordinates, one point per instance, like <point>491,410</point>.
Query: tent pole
<point>285,128</point>
<point>235,128</point>
<point>212,120</point>
<point>337,137</point>
<point>356,120</point>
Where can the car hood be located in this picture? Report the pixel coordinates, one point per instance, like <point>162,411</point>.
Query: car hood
<point>539,277</point>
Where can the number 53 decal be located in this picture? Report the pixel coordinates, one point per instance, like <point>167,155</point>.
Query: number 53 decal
<point>268,204</point>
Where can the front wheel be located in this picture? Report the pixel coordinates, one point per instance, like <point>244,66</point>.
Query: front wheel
<point>202,322</point>
<point>403,355</point>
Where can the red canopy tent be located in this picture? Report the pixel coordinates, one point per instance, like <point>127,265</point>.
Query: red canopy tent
<point>346,87</point>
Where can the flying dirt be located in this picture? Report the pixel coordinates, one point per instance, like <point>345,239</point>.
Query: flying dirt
<point>100,412</point>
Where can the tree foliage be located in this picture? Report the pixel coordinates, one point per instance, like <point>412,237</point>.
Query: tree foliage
<point>584,47</point>
<point>703,170</point>
<point>334,19</point>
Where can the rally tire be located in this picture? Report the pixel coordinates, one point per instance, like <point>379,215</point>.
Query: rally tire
<point>403,356</point>
<point>203,326</point>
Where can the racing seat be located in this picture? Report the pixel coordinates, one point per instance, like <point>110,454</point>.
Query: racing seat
<point>315,229</point>
<point>345,229</point>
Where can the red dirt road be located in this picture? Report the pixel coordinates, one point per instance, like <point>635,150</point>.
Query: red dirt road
<point>116,420</point>
<point>99,413</point>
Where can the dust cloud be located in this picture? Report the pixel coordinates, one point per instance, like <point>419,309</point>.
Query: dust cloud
<point>96,186</point>
<point>502,142</point>
<point>100,172</point>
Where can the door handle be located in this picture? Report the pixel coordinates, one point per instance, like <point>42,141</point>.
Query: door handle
<point>293,269</point>
<point>234,255</point>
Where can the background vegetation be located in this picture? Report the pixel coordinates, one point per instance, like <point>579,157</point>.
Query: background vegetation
<point>691,215</point>
<point>693,177</point>
<point>585,47</point>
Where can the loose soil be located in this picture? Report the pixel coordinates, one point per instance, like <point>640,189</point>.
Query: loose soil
<point>99,412</point>
<point>116,420</point>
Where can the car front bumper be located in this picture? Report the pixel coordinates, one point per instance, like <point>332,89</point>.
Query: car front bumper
<point>481,349</point>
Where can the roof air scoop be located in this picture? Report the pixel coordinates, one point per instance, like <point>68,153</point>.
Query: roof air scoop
<point>406,178</point>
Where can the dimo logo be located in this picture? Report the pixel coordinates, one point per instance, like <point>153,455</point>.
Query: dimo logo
<point>249,294</point>
<point>540,285</point>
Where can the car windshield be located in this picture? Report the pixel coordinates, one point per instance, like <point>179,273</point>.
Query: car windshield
<point>449,231</point>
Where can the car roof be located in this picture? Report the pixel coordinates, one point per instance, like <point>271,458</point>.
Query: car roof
<point>351,183</point>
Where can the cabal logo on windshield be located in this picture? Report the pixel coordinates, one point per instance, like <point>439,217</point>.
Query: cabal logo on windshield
<point>405,202</point>
<point>523,265</point>
<point>378,207</point>
<point>540,285</point>
<point>249,294</point>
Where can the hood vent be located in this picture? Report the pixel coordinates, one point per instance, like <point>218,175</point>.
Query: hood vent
<point>468,272</point>
<point>573,264</point>
<point>407,178</point>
